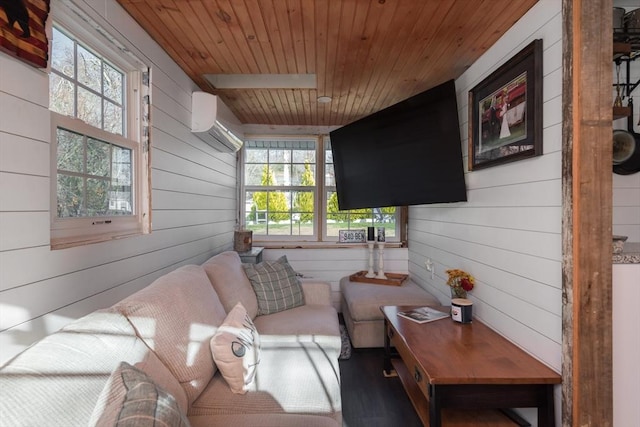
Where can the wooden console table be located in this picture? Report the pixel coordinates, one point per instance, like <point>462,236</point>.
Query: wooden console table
<point>445,364</point>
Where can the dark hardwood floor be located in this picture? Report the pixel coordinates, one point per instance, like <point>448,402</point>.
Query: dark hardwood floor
<point>369,399</point>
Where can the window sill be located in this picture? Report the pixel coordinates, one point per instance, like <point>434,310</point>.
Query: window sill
<point>61,243</point>
<point>321,245</point>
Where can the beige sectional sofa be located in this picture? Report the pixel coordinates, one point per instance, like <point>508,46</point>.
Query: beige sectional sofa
<point>73,377</point>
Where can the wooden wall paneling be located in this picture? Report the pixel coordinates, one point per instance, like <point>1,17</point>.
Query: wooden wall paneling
<point>359,46</point>
<point>146,15</point>
<point>180,20</point>
<point>309,27</point>
<point>332,46</point>
<point>238,48</point>
<point>285,31</point>
<point>368,49</point>
<point>257,37</point>
<point>235,37</point>
<point>381,55</point>
<point>346,30</point>
<point>283,18</point>
<point>587,184</point>
<point>417,35</point>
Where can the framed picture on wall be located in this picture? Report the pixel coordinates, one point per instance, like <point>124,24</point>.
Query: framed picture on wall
<point>505,111</point>
<point>22,30</point>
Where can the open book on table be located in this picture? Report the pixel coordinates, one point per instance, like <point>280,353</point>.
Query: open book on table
<point>423,314</point>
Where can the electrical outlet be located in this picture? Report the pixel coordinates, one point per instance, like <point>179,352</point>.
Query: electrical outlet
<point>428,264</point>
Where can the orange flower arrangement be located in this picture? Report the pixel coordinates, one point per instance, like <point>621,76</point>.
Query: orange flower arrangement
<point>460,281</point>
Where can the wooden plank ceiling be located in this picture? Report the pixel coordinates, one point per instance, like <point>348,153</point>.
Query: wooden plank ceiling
<point>367,54</point>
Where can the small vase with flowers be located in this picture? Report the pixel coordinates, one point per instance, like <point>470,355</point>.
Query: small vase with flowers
<point>460,283</point>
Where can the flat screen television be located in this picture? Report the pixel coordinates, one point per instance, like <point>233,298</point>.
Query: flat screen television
<point>407,154</point>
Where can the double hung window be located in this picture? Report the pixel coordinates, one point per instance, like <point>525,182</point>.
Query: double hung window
<point>289,193</point>
<point>98,183</point>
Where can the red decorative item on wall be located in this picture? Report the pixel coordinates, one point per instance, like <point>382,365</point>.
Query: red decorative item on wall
<point>22,30</point>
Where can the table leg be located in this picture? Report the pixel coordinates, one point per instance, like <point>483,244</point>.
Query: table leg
<point>435,417</point>
<point>387,368</point>
<point>546,416</point>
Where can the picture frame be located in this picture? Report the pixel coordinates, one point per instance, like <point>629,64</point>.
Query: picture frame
<point>22,30</point>
<point>352,236</point>
<point>505,111</point>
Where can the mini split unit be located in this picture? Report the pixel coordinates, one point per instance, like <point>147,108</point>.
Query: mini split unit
<point>214,123</point>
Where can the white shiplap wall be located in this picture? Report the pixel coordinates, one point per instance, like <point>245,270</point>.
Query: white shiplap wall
<point>508,234</point>
<point>193,190</point>
<point>333,264</point>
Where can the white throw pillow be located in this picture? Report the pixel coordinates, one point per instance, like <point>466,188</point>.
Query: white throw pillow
<point>236,349</point>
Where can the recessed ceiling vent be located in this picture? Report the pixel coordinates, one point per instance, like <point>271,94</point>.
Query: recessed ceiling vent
<point>214,123</point>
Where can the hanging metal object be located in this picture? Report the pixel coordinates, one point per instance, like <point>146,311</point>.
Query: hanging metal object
<point>618,101</point>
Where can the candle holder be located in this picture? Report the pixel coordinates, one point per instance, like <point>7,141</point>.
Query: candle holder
<point>370,274</point>
<point>381,261</point>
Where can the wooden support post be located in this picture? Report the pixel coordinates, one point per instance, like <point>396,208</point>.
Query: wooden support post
<point>587,212</point>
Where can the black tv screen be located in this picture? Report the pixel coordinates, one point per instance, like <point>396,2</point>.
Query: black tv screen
<point>407,154</point>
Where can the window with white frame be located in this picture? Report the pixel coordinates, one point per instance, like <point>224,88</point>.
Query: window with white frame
<point>284,200</point>
<point>99,190</point>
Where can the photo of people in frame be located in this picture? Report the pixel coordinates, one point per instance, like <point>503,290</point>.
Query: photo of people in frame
<point>502,115</point>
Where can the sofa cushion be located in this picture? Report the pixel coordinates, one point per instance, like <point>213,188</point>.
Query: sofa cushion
<point>276,285</point>
<point>236,349</point>
<point>308,323</point>
<point>364,299</point>
<point>230,282</point>
<point>176,316</point>
<point>264,420</point>
<point>73,365</point>
<point>292,378</point>
<point>133,399</point>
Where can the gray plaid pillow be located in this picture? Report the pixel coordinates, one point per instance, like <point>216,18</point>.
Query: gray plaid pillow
<point>276,285</point>
<point>134,400</point>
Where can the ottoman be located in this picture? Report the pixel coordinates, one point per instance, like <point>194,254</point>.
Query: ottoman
<point>361,307</point>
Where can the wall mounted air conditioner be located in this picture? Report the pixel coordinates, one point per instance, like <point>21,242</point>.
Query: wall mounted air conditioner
<point>214,123</point>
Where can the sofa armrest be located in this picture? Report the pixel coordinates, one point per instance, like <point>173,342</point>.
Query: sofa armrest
<point>316,292</point>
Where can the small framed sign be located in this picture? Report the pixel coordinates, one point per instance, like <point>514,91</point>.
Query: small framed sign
<point>352,236</point>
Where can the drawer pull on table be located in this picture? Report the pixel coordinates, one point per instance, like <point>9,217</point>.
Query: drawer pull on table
<point>417,375</point>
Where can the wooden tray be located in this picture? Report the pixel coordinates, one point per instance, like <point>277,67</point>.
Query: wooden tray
<point>393,279</point>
